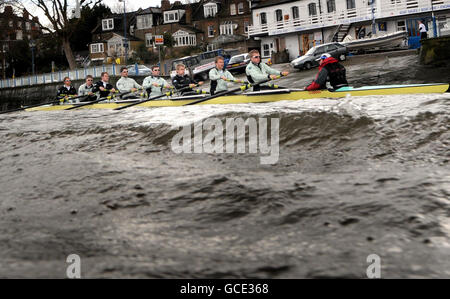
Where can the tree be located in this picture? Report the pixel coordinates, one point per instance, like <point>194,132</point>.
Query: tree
<point>58,12</point>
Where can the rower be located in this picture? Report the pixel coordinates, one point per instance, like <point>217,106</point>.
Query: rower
<point>87,88</point>
<point>126,84</point>
<point>154,84</point>
<point>330,68</point>
<point>104,86</point>
<point>181,80</point>
<point>219,76</point>
<point>258,71</point>
<point>66,90</point>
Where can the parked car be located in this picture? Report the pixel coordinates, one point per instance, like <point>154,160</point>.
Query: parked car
<point>238,63</point>
<point>200,64</point>
<point>142,69</point>
<point>308,60</point>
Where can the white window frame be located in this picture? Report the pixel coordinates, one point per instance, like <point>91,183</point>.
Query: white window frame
<point>107,24</point>
<point>11,23</point>
<point>246,25</point>
<point>19,25</point>
<point>401,27</point>
<point>261,18</point>
<point>233,9</point>
<point>265,52</point>
<point>148,40</point>
<point>210,10</point>
<point>27,26</point>
<point>171,16</point>
<point>210,47</point>
<point>144,21</point>
<point>226,28</point>
<point>19,35</point>
<point>97,48</point>
<point>241,8</point>
<point>184,39</point>
<point>211,30</point>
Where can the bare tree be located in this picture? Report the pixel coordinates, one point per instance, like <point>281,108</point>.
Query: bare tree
<point>59,13</point>
<point>118,7</point>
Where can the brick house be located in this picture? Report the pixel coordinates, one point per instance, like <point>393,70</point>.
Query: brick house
<point>108,38</point>
<point>206,24</point>
<point>16,28</point>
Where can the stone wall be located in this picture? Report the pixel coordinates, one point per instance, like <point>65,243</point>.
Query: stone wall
<point>435,50</point>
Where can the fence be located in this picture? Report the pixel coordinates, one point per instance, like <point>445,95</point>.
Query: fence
<point>77,74</point>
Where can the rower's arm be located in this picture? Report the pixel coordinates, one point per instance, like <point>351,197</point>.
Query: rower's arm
<point>270,71</point>
<point>255,73</point>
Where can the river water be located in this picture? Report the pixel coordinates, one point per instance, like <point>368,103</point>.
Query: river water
<point>354,177</point>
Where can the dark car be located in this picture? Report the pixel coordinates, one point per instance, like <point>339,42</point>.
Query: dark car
<point>308,60</point>
<point>238,63</point>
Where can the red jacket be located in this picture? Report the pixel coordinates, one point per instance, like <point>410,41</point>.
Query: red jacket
<point>321,78</point>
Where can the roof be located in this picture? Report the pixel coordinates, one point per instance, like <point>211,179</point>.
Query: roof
<point>268,3</point>
<point>150,10</point>
<point>118,23</point>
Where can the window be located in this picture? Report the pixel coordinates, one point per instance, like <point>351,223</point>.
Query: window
<point>330,48</point>
<point>295,14</point>
<point>97,48</point>
<point>27,26</point>
<point>144,21</point>
<point>210,10</point>
<point>401,26</point>
<point>210,47</point>
<point>263,18</point>
<point>312,9</point>
<point>226,28</point>
<point>351,4</point>
<point>210,31</point>
<point>19,25</point>
<point>148,40</point>
<point>240,8</point>
<point>246,24</point>
<point>331,5</point>
<point>171,16</point>
<point>233,9</point>
<point>108,24</point>
<point>19,35</point>
<point>278,15</point>
<point>10,23</point>
<point>183,38</point>
<point>266,50</point>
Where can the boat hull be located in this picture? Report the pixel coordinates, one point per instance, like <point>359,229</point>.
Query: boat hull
<point>274,96</point>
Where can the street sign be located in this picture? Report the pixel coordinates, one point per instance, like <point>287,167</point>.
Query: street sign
<point>159,40</point>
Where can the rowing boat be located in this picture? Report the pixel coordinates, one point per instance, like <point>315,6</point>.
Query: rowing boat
<point>270,96</point>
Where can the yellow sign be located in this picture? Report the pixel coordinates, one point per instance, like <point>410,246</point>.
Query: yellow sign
<point>117,60</point>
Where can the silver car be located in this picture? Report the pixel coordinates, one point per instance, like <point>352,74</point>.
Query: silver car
<point>308,60</point>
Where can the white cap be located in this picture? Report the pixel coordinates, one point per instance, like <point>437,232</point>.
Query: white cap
<point>323,56</point>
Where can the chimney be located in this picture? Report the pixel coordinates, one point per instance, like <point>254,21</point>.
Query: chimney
<point>8,10</point>
<point>165,5</point>
<point>188,14</point>
<point>25,14</point>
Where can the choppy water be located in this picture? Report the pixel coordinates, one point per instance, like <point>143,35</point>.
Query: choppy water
<point>355,177</point>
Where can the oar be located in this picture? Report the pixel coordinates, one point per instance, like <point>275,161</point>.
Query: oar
<point>151,99</point>
<point>96,101</point>
<point>241,88</point>
<point>30,106</point>
<point>236,81</point>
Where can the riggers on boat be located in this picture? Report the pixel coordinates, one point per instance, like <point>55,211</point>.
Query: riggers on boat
<point>269,96</point>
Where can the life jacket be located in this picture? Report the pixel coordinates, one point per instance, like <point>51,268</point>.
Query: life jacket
<point>336,72</point>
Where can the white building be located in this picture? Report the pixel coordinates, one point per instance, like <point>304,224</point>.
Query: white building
<point>298,25</point>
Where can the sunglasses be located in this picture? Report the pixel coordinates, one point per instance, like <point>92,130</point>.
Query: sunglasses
<point>68,81</point>
<point>156,70</point>
<point>90,80</point>
<point>256,56</point>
